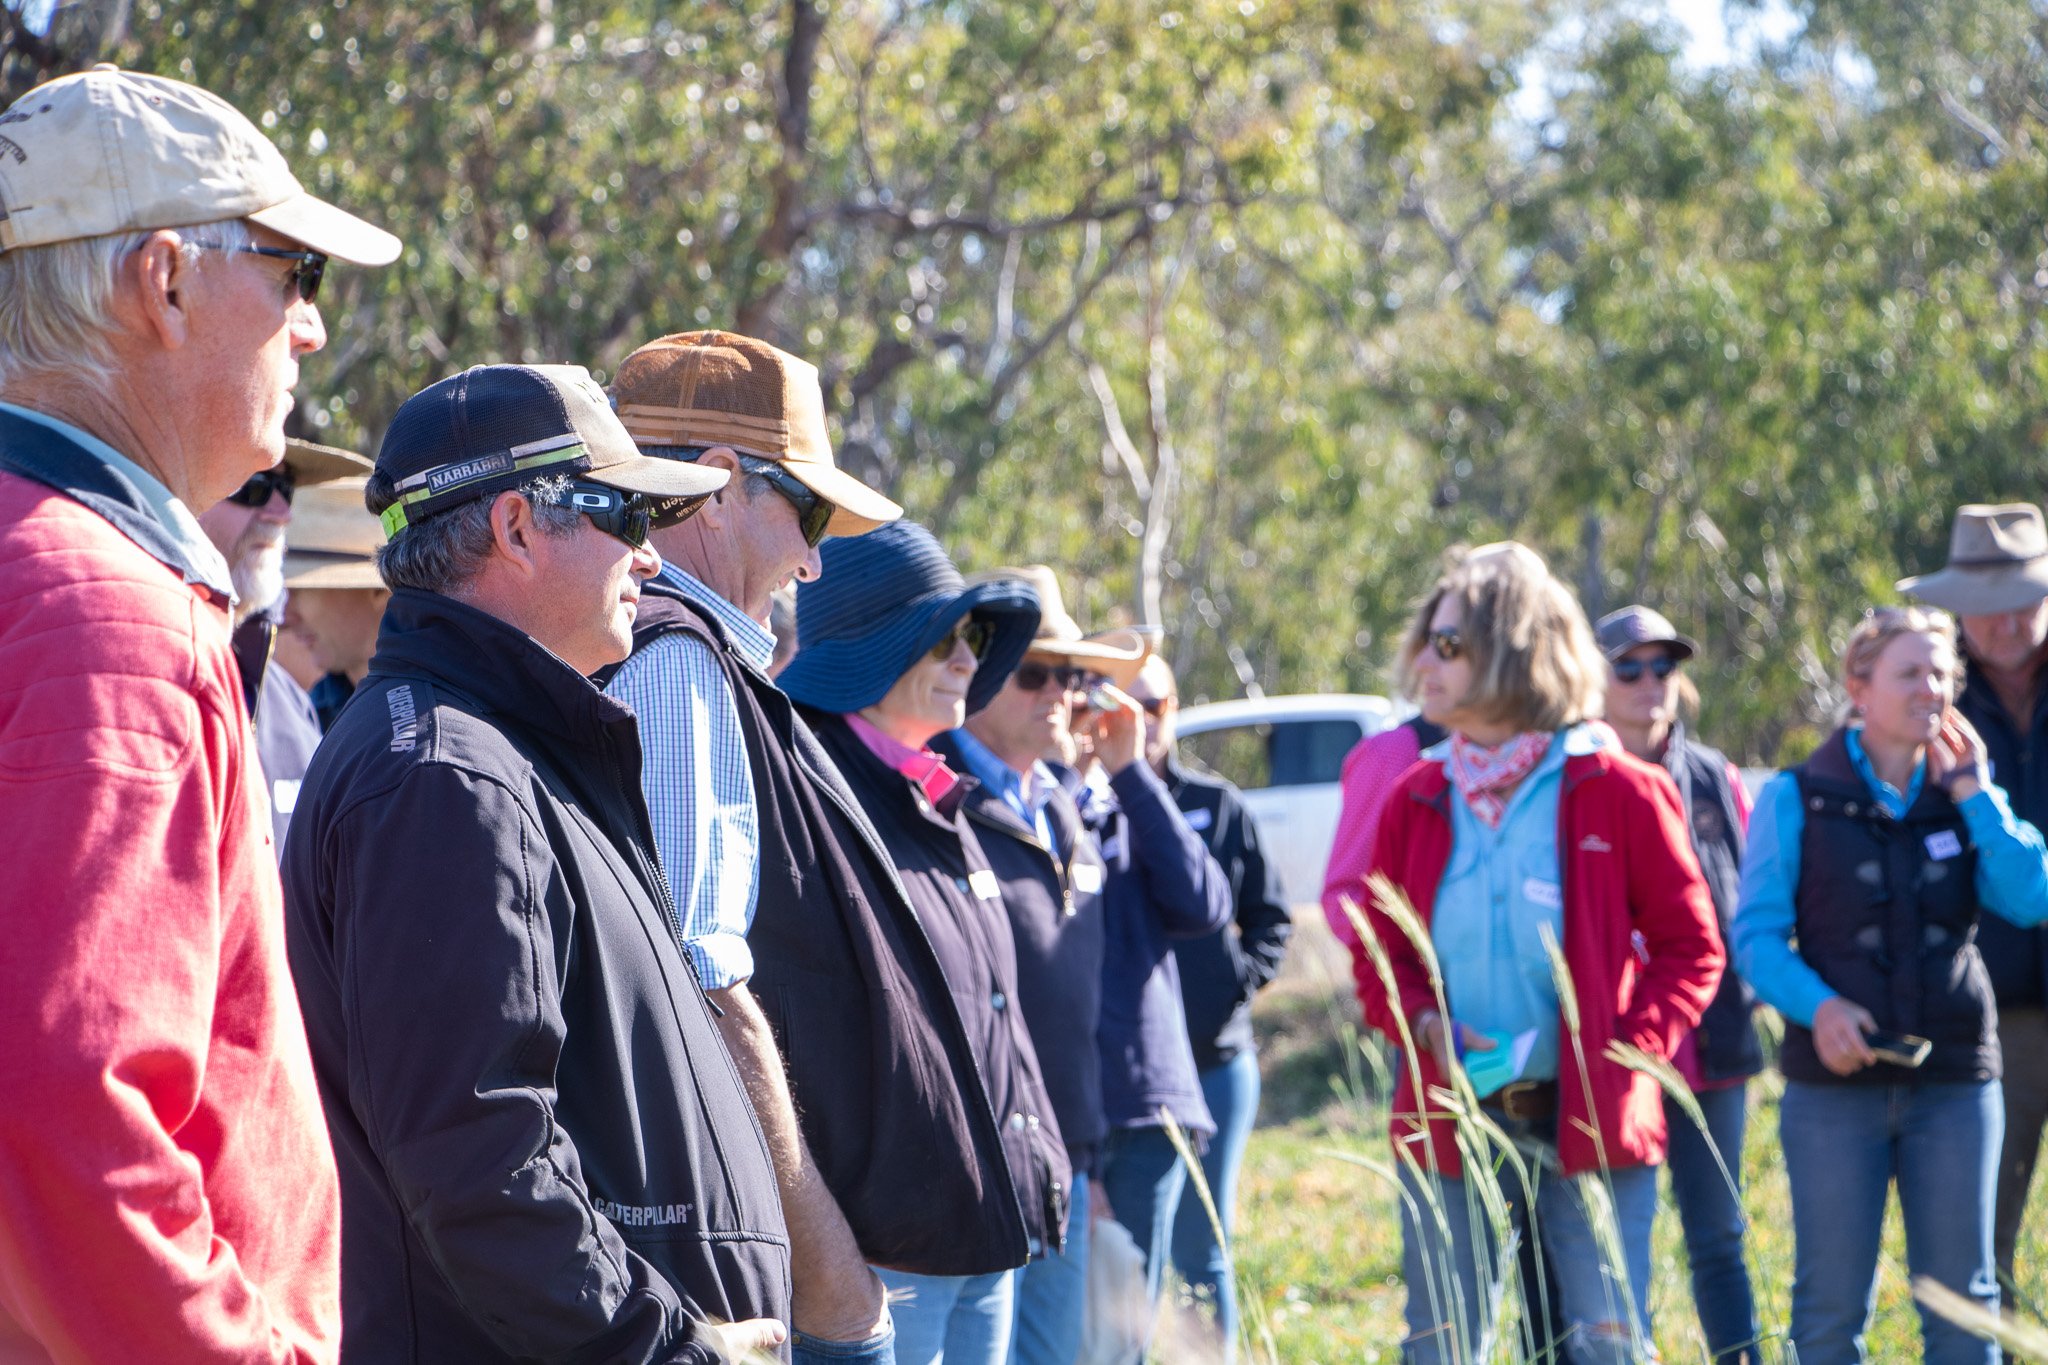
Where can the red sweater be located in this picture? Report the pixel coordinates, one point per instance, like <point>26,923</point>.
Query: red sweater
<point>1640,943</point>
<point>167,1191</point>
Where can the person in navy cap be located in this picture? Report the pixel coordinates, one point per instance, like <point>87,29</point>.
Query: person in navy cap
<point>546,1152</point>
<point>894,649</point>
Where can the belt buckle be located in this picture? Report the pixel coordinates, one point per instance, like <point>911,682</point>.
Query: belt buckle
<point>1508,1099</point>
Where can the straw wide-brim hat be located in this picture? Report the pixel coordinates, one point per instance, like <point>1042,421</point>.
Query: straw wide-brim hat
<point>333,538</point>
<point>1997,562</point>
<point>886,597</point>
<point>720,389</point>
<point>1115,654</point>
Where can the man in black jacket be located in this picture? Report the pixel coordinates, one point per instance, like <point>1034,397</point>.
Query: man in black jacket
<point>1219,973</point>
<point>546,1152</point>
<point>1996,582</point>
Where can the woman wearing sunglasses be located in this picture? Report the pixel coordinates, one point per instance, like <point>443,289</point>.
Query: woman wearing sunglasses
<point>1648,698</point>
<point>1528,828</point>
<point>1869,865</point>
<point>894,649</point>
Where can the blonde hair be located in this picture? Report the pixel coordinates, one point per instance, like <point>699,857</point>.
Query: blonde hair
<point>1882,625</point>
<point>1534,663</point>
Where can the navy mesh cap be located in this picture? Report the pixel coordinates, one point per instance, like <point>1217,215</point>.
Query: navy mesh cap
<point>491,428</point>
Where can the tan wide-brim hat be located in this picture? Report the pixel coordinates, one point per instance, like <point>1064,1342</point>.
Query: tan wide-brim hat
<point>1116,654</point>
<point>107,150</point>
<point>317,464</point>
<point>1125,640</point>
<point>719,389</point>
<point>1997,562</point>
<point>333,538</point>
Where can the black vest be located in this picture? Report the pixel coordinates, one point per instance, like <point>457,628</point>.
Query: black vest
<point>1886,912</point>
<point>879,1062</point>
<point>1727,1039</point>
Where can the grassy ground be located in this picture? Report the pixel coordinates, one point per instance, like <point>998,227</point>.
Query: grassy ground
<point>1319,1242</point>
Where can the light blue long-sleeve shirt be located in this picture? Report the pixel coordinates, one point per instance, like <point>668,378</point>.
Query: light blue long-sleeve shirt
<point>1499,888</point>
<point>2012,879</point>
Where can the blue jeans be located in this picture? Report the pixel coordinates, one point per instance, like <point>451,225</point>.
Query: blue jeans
<point>1052,1293</point>
<point>960,1319</point>
<point>1142,1178</point>
<point>1232,1091</point>
<point>1449,1285</point>
<point>879,1349</point>
<point>1844,1146</point>
<point>1710,1212</point>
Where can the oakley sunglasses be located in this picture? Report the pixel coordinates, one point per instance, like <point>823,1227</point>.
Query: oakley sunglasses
<point>813,513</point>
<point>256,492</point>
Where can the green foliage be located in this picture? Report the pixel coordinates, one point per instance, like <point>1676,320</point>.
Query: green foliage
<point>1239,311</point>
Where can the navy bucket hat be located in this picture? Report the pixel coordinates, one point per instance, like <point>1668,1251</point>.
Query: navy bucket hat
<point>882,600</point>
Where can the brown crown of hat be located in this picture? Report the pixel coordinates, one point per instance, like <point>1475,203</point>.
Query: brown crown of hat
<point>719,389</point>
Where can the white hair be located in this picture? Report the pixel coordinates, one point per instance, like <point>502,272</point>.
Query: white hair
<point>56,300</point>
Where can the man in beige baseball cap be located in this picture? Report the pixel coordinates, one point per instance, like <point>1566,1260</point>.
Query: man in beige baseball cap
<point>709,714</point>
<point>158,268</point>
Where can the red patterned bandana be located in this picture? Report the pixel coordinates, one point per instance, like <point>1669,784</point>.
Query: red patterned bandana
<point>1485,777</point>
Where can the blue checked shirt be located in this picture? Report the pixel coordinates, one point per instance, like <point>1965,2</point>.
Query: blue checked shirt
<point>700,791</point>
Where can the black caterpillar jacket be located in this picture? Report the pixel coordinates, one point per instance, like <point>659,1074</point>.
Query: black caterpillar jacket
<point>546,1153</point>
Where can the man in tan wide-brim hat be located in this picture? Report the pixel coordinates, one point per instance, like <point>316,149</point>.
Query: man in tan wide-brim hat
<point>248,527</point>
<point>159,269</point>
<point>334,597</point>
<point>1996,583</point>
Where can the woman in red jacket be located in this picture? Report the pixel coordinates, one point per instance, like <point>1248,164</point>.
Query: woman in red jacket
<point>1530,827</point>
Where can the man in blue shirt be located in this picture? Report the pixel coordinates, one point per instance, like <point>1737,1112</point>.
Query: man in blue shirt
<point>785,897</point>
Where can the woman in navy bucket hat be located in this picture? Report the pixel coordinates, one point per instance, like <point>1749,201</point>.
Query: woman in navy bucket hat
<point>882,600</point>
<point>893,648</point>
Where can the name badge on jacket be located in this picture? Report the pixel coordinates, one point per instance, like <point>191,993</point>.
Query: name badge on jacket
<point>1200,818</point>
<point>1087,878</point>
<point>983,884</point>
<point>1943,844</point>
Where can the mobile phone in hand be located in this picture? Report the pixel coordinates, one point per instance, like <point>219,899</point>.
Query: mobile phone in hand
<point>1900,1049</point>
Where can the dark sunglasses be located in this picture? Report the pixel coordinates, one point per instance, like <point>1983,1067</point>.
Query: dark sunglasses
<point>306,273</point>
<point>1630,670</point>
<point>625,515</point>
<point>977,634</point>
<point>1446,644</point>
<point>1032,676</point>
<point>256,492</point>
<point>813,513</point>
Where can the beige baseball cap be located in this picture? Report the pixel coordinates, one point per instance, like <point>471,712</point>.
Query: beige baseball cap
<point>108,150</point>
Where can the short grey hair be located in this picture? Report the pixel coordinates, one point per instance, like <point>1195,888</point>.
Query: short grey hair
<point>448,549</point>
<point>56,300</point>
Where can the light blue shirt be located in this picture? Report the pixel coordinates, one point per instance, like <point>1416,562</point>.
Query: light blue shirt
<point>1024,793</point>
<point>2012,879</point>
<point>698,783</point>
<point>175,517</point>
<point>1499,888</point>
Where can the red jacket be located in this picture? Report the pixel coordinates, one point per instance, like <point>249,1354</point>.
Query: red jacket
<point>167,1190</point>
<point>1640,942</point>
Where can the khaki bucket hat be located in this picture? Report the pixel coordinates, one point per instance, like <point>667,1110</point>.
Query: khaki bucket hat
<point>720,389</point>
<point>1116,654</point>
<point>107,150</point>
<point>333,538</point>
<point>1997,562</point>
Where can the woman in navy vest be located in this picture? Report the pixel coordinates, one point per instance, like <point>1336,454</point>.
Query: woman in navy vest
<point>1877,855</point>
<point>1648,698</point>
